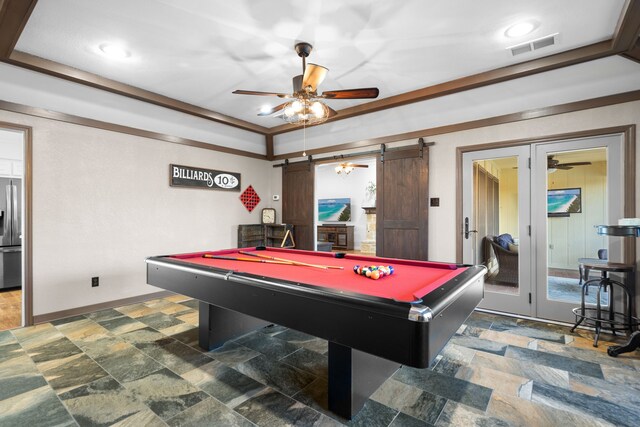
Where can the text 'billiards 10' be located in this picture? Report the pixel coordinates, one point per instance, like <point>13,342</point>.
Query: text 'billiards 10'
<point>372,326</point>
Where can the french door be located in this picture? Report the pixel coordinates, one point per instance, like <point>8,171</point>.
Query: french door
<point>580,183</point>
<point>543,200</point>
<point>496,201</point>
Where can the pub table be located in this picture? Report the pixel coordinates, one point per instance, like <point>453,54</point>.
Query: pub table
<point>622,231</point>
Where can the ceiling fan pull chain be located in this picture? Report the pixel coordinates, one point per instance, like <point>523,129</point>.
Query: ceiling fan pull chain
<point>304,138</point>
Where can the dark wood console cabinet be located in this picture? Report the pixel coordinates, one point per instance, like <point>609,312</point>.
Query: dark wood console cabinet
<point>262,234</point>
<point>340,235</point>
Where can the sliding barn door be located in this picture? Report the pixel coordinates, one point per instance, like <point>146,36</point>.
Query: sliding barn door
<point>402,206</point>
<point>297,202</point>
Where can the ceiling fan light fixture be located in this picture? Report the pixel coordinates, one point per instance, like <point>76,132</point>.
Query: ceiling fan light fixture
<point>305,111</point>
<point>347,168</point>
<point>296,106</point>
<point>344,168</point>
<point>318,109</point>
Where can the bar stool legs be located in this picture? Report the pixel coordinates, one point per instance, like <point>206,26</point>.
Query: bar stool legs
<point>615,321</point>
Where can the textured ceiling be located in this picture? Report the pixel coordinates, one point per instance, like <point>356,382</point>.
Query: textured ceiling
<point>199,51</point>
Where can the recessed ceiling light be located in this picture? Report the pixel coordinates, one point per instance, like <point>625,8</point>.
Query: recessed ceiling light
<point>520,29</point>
<point>265,109</point>
<point>114,51</point>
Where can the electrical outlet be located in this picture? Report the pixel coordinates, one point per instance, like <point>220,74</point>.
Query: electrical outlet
<point>95,282</point>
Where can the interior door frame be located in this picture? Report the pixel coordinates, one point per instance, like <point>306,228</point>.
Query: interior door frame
<point>629,194</point>
<point>27,220</point>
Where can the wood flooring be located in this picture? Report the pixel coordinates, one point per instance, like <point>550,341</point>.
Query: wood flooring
<point>10,309</point>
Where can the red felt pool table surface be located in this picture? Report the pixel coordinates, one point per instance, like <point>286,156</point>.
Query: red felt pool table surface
<point>411,280</point>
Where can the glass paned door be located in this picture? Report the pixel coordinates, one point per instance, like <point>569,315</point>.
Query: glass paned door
<point>577,185</point>
<point>496,200</point>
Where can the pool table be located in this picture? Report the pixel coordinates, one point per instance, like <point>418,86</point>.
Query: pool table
<point>372,326</point>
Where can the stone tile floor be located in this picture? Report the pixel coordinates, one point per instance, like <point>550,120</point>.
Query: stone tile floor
<point>140,365</point>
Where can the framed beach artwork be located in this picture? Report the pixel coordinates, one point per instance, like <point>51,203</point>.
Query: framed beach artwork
<point>564,201</point>
<point>338,209</point>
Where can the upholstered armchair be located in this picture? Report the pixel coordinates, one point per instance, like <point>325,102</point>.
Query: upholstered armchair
<point>507,262</point>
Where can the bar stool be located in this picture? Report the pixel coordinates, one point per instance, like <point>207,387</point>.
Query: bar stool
<point>614,321</point>
<point>603,257</point>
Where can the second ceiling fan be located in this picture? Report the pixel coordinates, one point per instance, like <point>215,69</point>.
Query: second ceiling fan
<point>305,106</point>
<point>555,164</point>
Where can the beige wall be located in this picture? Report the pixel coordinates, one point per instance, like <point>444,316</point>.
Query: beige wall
<point>102,204</point>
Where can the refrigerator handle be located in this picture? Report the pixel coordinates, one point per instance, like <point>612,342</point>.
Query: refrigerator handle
<point>5,224</point>
<point>15,226</point>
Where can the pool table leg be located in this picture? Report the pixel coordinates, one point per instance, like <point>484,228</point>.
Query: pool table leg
<point>218,325</point>
<point>353,376</point>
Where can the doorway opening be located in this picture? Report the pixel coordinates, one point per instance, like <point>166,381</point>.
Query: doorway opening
<point>12,161</point>
<point>345,206</point>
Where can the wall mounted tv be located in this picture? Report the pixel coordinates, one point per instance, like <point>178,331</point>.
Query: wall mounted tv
<point>338,209</point>
<point>564,201</point>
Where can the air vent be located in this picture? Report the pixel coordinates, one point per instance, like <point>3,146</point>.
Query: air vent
<point>532,45</point>
<point>524,48</point>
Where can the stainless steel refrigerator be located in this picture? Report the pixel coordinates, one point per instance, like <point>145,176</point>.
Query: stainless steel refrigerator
<point>11,229</point>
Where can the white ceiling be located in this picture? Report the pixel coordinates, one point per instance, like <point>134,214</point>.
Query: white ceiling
<point>199,51</point>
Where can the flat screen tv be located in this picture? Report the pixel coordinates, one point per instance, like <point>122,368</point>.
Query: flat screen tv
<point>338,209</point>
<point>564,201</point>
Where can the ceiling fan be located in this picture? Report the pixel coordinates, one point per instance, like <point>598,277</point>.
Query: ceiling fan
<point>306,107</point>
<point>555,164</point>
<point>347,168</point>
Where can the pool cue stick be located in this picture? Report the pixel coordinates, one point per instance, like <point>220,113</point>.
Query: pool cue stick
<point>300,263</point>
<point>228,258</point>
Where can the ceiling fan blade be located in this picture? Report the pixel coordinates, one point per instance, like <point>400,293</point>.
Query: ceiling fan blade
<point>575,164</point>
<point>563,167</point>
<point>332,112</point>
<point>369,92</point>
<point>313,75</point>
<point>254,92</point>
<point>352,165</point>
<point>273,110</point>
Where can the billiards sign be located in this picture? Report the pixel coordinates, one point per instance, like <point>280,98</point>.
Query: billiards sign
<point>187,176</point>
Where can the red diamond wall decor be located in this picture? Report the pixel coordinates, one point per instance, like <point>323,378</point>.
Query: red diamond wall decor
<point>250,198</point>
